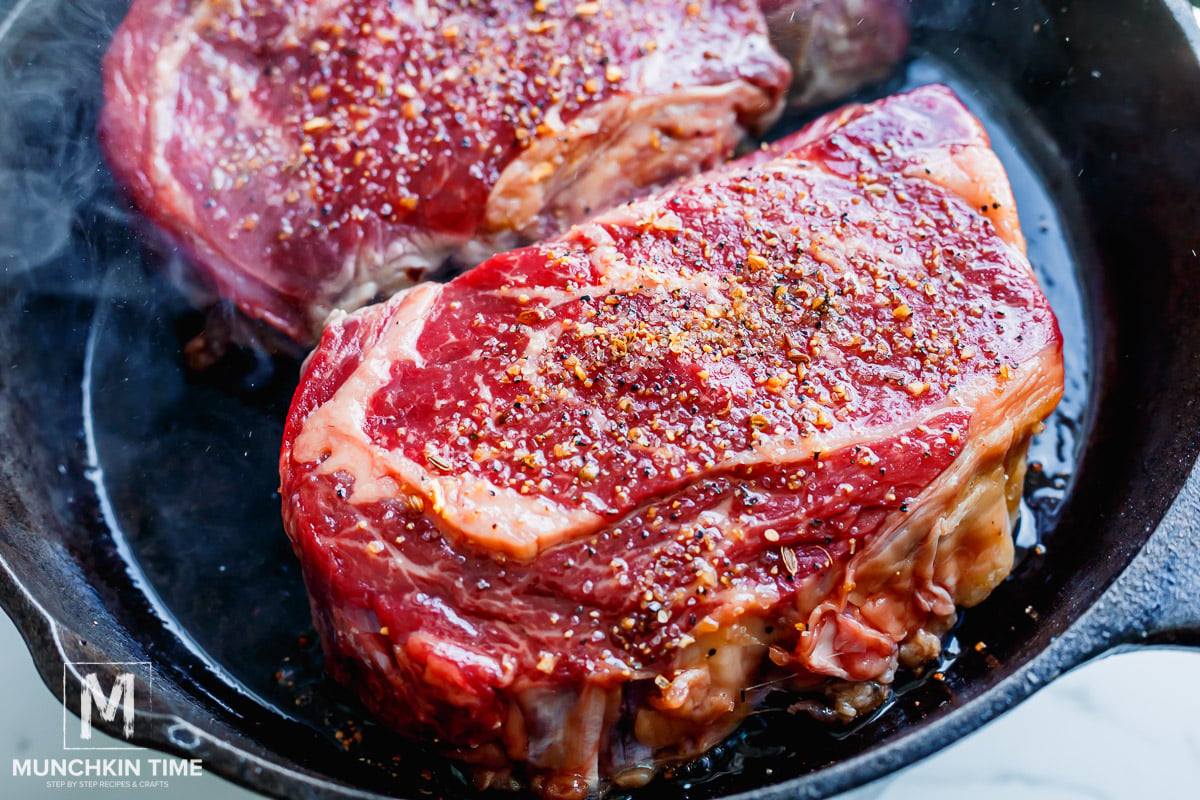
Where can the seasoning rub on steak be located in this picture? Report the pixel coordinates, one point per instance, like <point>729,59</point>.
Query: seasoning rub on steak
<point>314,155</point>
<point>566,511</point>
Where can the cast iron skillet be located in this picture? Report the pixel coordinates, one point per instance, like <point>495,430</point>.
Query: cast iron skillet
<point>138,521</point>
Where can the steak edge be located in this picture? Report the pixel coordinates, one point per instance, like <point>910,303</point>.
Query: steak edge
<point>837,46</point>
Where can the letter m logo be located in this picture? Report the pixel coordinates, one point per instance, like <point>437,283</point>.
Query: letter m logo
<point>91,695</point>
<point>111,695</point>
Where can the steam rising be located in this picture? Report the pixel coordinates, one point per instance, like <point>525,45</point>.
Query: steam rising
<point>50,166</point>
<point>65,228</point>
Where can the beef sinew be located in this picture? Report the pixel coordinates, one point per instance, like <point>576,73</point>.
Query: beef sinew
<point>564,512</point>
<point>313,155</point>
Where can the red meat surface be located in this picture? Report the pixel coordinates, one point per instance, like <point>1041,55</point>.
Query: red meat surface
<point>564,512</point>
<point>314,155</point>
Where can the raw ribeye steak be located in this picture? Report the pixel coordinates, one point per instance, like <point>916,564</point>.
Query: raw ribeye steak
<point>314,155</point>
<point>766,427</point>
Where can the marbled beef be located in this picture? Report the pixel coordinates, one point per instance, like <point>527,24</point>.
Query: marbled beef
<point>315,155</point>
<point>768,425</point>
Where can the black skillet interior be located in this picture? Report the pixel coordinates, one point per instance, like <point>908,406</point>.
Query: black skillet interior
<point>139,520</point>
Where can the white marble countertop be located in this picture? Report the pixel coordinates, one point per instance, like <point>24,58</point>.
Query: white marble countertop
<point>1127,726</point>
